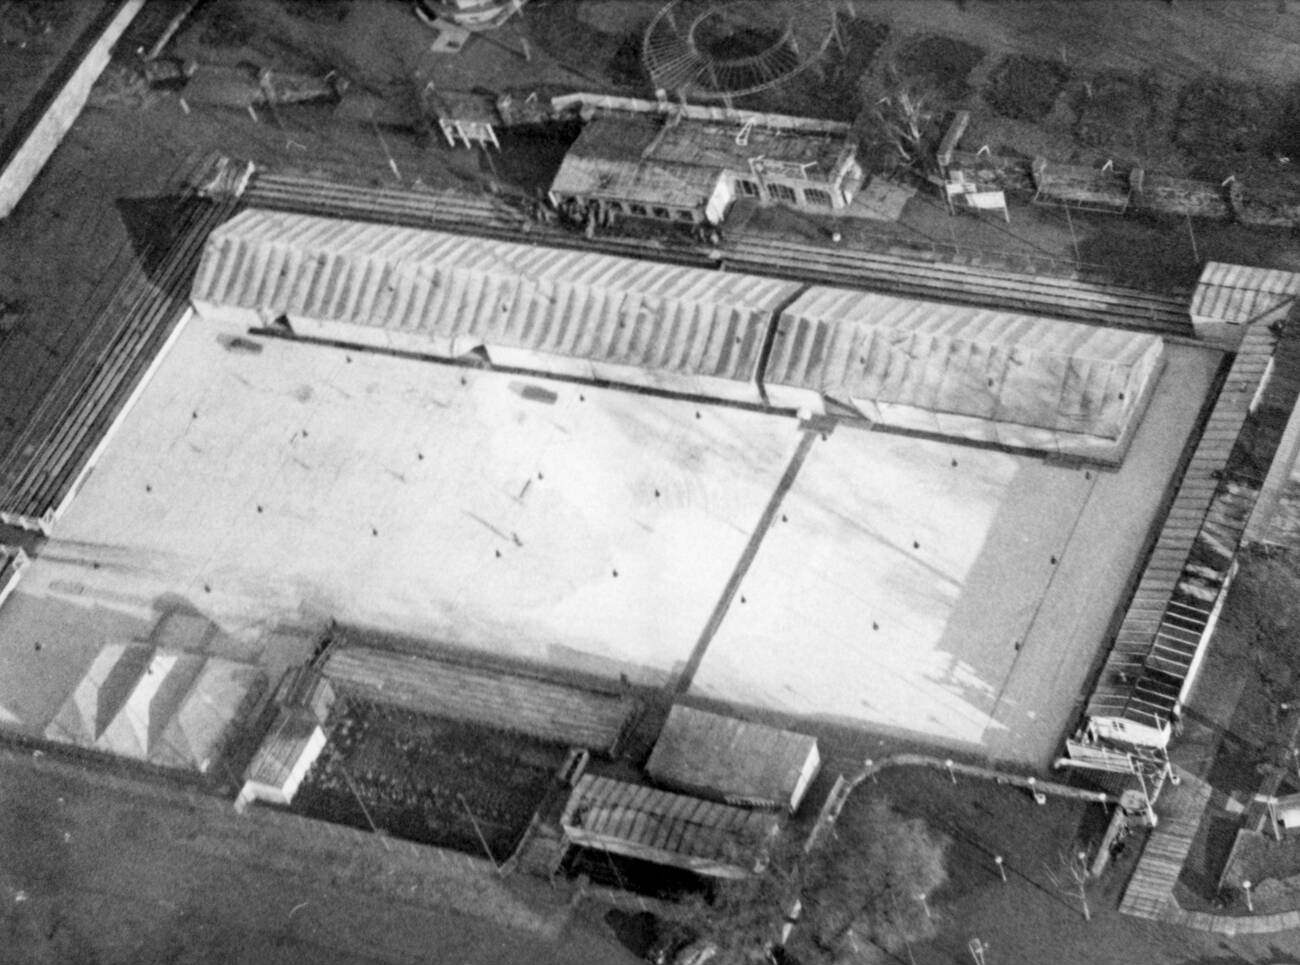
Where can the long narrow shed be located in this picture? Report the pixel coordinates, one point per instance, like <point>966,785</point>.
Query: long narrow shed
<point>542,709</point>
<point>575,313</point>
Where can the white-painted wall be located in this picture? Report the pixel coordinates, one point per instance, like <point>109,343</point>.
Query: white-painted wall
<point>27,162</point>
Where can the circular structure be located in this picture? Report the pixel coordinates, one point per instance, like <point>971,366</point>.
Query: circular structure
<point>719,49</point>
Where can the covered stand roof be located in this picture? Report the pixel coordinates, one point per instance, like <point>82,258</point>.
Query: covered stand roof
<point>735,760</point>
<point>456,293</point>
<point>1239,294</point>
<point>671,829</point>
<point>497,698</point>
<point>978,372</point>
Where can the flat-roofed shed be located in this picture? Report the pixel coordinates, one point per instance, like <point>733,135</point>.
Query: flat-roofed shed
<point>733,760</point>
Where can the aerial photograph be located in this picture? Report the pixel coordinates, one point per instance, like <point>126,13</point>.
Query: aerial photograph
<point>597,482</point>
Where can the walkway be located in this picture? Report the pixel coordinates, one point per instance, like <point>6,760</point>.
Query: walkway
<point>1150,892</point>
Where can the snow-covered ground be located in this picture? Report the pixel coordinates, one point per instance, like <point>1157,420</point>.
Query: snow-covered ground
<point>952,594</point>
<point>284,486</point>
<point>262,487</point>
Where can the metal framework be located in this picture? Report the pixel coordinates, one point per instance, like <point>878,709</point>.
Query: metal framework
<point>721,49</point>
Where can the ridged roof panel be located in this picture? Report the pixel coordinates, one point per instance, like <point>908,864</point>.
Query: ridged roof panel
<point>1240,293</point>
<point>609,309</point>
<point>960,360</point>
<point>667,822</point>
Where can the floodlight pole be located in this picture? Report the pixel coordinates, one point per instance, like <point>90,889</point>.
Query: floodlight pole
<point>364,810</point>
<point>1196,257</point>
<point>479,831</point>
<point>1073,239</point>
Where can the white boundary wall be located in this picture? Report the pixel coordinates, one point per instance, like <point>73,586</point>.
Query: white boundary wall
<point>27,162</point>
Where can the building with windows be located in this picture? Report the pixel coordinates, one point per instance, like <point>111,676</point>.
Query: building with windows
<point>678,163</point>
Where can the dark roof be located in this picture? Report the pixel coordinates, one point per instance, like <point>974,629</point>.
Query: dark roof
<point>686,832</point>
<point>734,760</point>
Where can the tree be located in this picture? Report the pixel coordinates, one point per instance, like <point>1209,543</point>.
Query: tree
<point>877,880</point>
<point>867,881</point>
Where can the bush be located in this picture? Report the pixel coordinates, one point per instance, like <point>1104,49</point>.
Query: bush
<point>1118,110</point>
<point>1025,88</point>
<point>940,65</point>
<point>1223,124</point>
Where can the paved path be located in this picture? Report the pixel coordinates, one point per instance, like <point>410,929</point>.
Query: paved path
<point>1150,892</point>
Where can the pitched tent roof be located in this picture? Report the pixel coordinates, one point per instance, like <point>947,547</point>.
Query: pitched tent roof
<point>497,698</point>
<point>671,829</point>
<point>221,695</point>
<point>99,694</point>
<point>737,761</point>
<point>136,730</point>
<point>449,294</point>
<point>965,371</point>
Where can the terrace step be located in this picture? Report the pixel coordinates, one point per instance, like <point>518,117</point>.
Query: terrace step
<point>42,465</point>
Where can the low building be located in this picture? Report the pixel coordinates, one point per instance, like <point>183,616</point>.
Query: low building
<point>701,160</point>
<point>732,760</point>
<point>291,747</point>
<point>715,840</point>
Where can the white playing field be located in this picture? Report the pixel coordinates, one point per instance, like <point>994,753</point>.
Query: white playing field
<point>584,527</point>
<point>899,589</point>
<point>268,487</point>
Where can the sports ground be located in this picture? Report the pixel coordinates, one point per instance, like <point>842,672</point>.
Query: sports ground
<point>880,580</point>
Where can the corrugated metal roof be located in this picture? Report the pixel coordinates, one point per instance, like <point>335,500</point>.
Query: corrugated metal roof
<point>520,704</point>
<point>1241,294</point>
<point>723,757</point>
<point>476,291</point>
<point>967,361</point>
<point>672,828</point>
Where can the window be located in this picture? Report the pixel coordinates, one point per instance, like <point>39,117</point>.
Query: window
<point>685,215</point>
<point>748,188</point>
<point>816,197</point>
<point>781,192</point>
<point>639,210</point>
<point>661,213</point>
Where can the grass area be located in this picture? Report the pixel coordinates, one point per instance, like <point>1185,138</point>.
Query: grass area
<point>1226,127</point>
